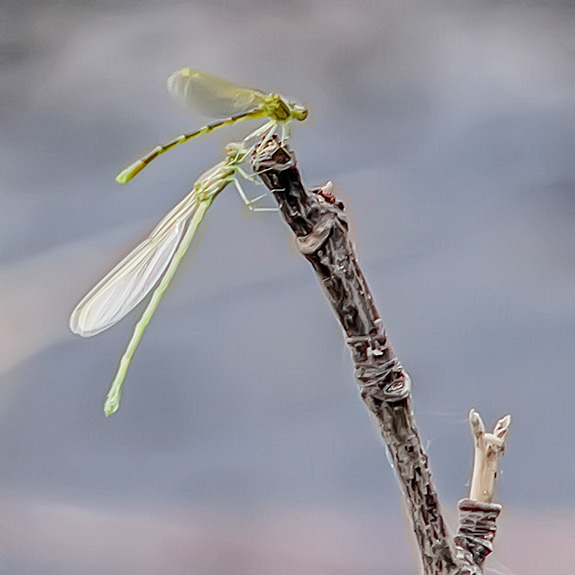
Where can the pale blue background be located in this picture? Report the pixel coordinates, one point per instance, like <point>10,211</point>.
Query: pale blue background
<point>241,445</point>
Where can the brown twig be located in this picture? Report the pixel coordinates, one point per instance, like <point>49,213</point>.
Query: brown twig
<point>319,223</point>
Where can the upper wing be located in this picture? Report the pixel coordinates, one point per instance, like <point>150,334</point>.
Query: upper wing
<point>210,95</point>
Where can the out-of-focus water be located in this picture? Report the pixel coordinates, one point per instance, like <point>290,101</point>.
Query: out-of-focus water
<point>241,445</point>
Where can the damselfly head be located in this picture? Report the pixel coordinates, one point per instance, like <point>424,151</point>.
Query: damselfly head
<point>298,111</point>
<point>283,110</point>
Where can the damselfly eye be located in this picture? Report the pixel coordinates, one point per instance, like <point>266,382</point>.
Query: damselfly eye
<point>299,112</point>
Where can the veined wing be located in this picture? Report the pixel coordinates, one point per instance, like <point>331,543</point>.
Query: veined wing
<point>113,398</point>
<point>125,286</point>
<point>212,96</point>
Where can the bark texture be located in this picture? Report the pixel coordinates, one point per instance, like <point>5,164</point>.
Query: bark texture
<point>318,221</point>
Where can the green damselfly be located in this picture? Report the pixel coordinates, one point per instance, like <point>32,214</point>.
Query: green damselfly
<point>215,97</point>
<point>152,264</point>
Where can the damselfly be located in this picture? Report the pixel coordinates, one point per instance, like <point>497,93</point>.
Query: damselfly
<point>153,263</point>
<point>218,98</point>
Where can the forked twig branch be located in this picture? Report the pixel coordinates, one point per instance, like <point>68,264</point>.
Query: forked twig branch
<point>318,220</point>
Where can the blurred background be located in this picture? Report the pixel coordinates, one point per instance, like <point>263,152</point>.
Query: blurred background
<point>241,445</point>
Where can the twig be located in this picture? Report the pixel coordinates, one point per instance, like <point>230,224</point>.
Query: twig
<point>489,448</point>
<point>320,226</point>
<point>478,514</point>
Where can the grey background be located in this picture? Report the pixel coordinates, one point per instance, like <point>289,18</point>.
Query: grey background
<point>241,445</point>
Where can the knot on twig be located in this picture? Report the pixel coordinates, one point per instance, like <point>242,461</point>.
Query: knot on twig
<point>313,241</point>
<point>273,156</point>
<point>477,527</point>
<point>378,370</point>
<point>325,212</point>
<point>270,160</point>
<point>325,194</point>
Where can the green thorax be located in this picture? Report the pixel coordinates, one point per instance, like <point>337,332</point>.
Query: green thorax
<point>277,109</point>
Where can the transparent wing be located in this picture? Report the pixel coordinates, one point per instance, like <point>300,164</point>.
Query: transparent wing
<point>210,95</point>
<point>123,288</point>
<point>113,397</point>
